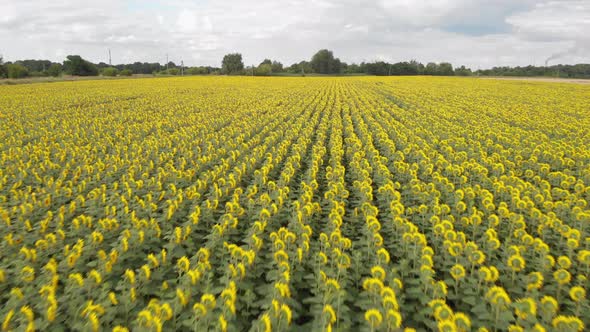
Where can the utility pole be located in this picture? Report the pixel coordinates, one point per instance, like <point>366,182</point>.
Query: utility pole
<point>110,64</point>
<point>181,67</point>
<point>167,61</point>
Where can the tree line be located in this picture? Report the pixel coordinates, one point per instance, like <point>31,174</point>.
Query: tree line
<point>322,62</point>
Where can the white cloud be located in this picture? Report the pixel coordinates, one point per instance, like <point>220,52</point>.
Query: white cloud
<point>477,33</point>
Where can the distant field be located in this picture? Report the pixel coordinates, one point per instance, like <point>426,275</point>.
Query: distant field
<point>295,204</point>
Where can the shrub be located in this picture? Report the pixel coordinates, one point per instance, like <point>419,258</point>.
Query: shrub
<point>110,71</point>
<point>17,71</point>
<point>263,70</point>
<point>54,70</point>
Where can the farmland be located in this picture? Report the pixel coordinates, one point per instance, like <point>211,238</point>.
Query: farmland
<point>277,204</point>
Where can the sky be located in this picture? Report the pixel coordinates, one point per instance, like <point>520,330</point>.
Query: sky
<point>476,33</point>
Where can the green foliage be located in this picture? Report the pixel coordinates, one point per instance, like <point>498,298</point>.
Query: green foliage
<point>263,70</point>
<point>232,63</point>
<point>35,65</point>
<point>75,65</point>
<point>353,69</point>
<point>441,69</point>
<point>379,68</point>
<point>16,71</point>
<point>125,72</point>
<point>110,71</point>
<point>302,67</point>
<point>265,62</point>
<point>197,71</point>
<point>173,71</point>
<point>567,71</point>
<point>445,69</point>
<point>431,68</point>
<point>54,70</point>
<point>462,71</point>
<point>277,67</point>
<point>2,69</point>
<point>323,62</point>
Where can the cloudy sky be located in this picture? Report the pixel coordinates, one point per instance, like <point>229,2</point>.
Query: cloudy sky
<point>477,33</point>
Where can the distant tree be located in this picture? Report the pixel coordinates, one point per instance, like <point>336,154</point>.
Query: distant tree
<point>38,66</point>
<point>232,63</point>
<point>2,69</point>
<point>126,72</point>
<point>378,68</point>
<point>303,67</point>
<point>404,68</point>
<point>75,65</point>
<point>419,67</point>
<point>110,71</point>
<point>171,71</point>
<point>336,66</point>
<point>263,69</point>
<point>572,71</point>
<point>54,70</point>
<point>352,68</point>
<point>15,70</point>
<point>462,71</point>
<point>276,67</point>
<point>102,65</point>
<point>431,69</point>
<point>197,71</point>
<point>445,69</point>
<point>142,67</point>
<point>323,62</point>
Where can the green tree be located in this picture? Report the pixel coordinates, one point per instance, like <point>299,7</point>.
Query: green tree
<point>54,70</point>
<point>379,68</point>
<point>431,69</point>
<point>445,69</point>
<point>110,71</point>
<point>126,72</point>
<point>353,68</point>
<point>323,62</point>
<point>2,69</point>
<point>75,65</point>
<point>197,71</point>
<point>38,66</point>
<point>16,71</point>
<point>173,71</point>
<point>276,67</point>
<point>462,71</point>
<point>419,67</point>
<point>232,63</point>
<point>302,67</point>
<point>263,69</point>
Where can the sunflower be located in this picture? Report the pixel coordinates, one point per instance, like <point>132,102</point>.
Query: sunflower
<point>577,293</point>
<point>458,272</point>
<point>374,317</point>
<point>562,276</point>
<point>516,262</point>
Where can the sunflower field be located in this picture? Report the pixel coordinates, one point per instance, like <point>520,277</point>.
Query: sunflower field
<point>292,204</point>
